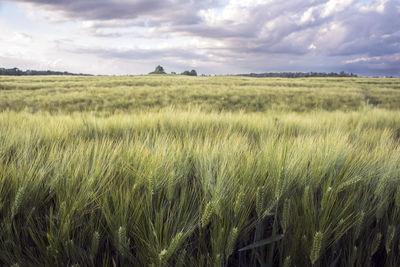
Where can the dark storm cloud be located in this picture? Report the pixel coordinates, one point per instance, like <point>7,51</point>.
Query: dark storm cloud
<point>175,11</point>
<point>371,33</point>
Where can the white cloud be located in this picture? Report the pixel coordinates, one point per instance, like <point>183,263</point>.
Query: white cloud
<point>361,59</point>
<point>375,6</point>
<point>312,46</point>
<point>20,38</point>
<point>307,16</point>
<point>335,6</point>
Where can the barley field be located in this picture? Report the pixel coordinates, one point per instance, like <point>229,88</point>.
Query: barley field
<point>218,94</point>
<point>199,171</point>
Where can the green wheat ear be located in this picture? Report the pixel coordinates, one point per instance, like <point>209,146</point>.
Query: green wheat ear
<point>218,260</point>
<point>151,184</point>
<point>286,215</point>
<point>376,243</point>
<point>171,187</point>
<point>162,255</point>
<point>238,204</point>
<point>180,262</point>
<point>389,237</point>
<point>287,262</point>
<point>95,243</point>
<point>354,255</point>
<point>62,211</point>
<point>260,201</point>
<point>176,241</point>
<point>397,197</point>
<point>316,247</point>
<point>17,202</point>
<point>231,242</point>
<point>380,212</point>
<point>208,211</point>
<point>359,223</point>
<point>306,196</point>
<point>123,241</point>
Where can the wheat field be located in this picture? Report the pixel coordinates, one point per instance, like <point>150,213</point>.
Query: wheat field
<point>199,171</point>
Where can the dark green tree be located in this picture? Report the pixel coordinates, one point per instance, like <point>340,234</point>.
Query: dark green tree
<point>189,73</point>
<point>159,70</point>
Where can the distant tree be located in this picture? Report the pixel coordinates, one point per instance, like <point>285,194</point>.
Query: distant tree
<point>173,73</point>
<point>189,73</point>
<point>159,70</point>
<point>186,72</point>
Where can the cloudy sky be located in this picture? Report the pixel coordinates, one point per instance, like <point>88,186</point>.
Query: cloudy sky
<point>211,36</point>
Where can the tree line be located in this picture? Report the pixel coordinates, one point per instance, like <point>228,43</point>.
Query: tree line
<point>160,70</point>
<point>299,74</point>
<point>18,72</point>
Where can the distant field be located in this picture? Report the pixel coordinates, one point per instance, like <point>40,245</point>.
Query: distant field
<point>165,171</point>
<point>110,94</point>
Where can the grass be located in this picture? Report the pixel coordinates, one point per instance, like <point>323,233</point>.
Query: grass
<point>195,183</point>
